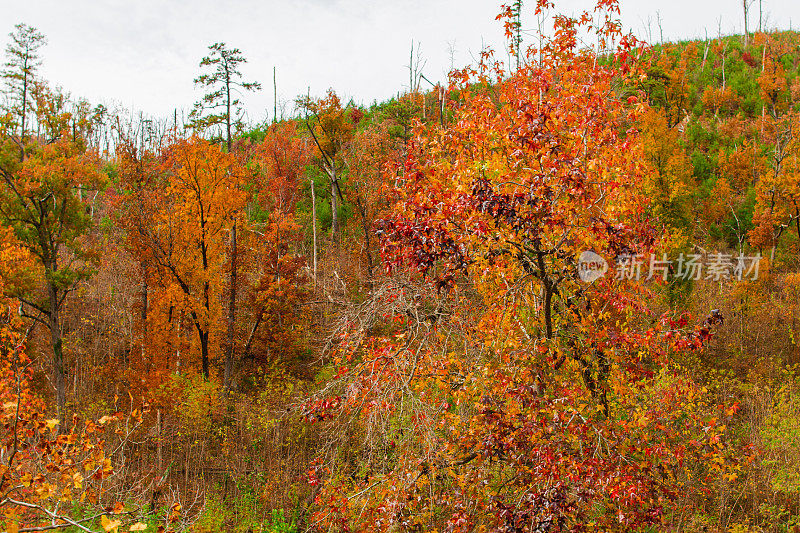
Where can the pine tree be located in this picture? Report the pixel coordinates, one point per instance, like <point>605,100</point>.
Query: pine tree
<point>220,107</point>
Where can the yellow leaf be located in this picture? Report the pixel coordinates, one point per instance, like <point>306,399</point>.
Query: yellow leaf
<point>175,512</point>
<point>138,526</point>
<point>53,422</point>
<point>44,490</point>
<point>77,480</point>
<point>108,524</point>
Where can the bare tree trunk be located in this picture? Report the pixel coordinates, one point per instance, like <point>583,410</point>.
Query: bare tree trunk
<point>745,8</point>
<point>228,113</point>
<point>411,69</point>
<point>334,206</point>
<point>159,445</point>
<point>760,14</point>
<point>58,356</point>
<point>660,28</point>
<point>724,53</point>
<point>204,352</point>
<point>24,113</point>
<point>249,344</point>
<point>443,99</point>
<point>314,227</point>
<point>143,315</point>
<point>204,334</point>
<point>367,245</point>
<point>230,348</point>
<point>797,218</point>
<point>763,105</point>
<point>178,344</point>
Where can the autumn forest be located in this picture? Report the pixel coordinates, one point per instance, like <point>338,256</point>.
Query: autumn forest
<point>558,293</point>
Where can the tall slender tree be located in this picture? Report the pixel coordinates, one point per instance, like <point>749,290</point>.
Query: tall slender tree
<point>42,180</point>
<point>516,37</point>
<point>331,128</point>
<point>220,107</point>
<point>746,10</point>
<point>19,73</point>
<point>178,213</point>
<point>41,200</point>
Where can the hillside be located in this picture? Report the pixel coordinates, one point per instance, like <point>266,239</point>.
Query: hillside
<point>559,296</point>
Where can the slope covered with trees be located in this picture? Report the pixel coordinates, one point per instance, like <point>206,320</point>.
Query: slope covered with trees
<point>557,295</point>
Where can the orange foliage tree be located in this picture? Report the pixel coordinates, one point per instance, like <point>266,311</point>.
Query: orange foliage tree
<point>276,281</point>
<point>510,395</point>
<point>331,127</point>
<point>778,193</point>
<point>179,210</point>
<point>41,200</point>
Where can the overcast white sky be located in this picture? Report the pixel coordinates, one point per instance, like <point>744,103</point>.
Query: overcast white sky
<point>143,54</point>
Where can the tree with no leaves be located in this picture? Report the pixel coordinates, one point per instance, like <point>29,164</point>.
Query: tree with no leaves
<point>746,9</point>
